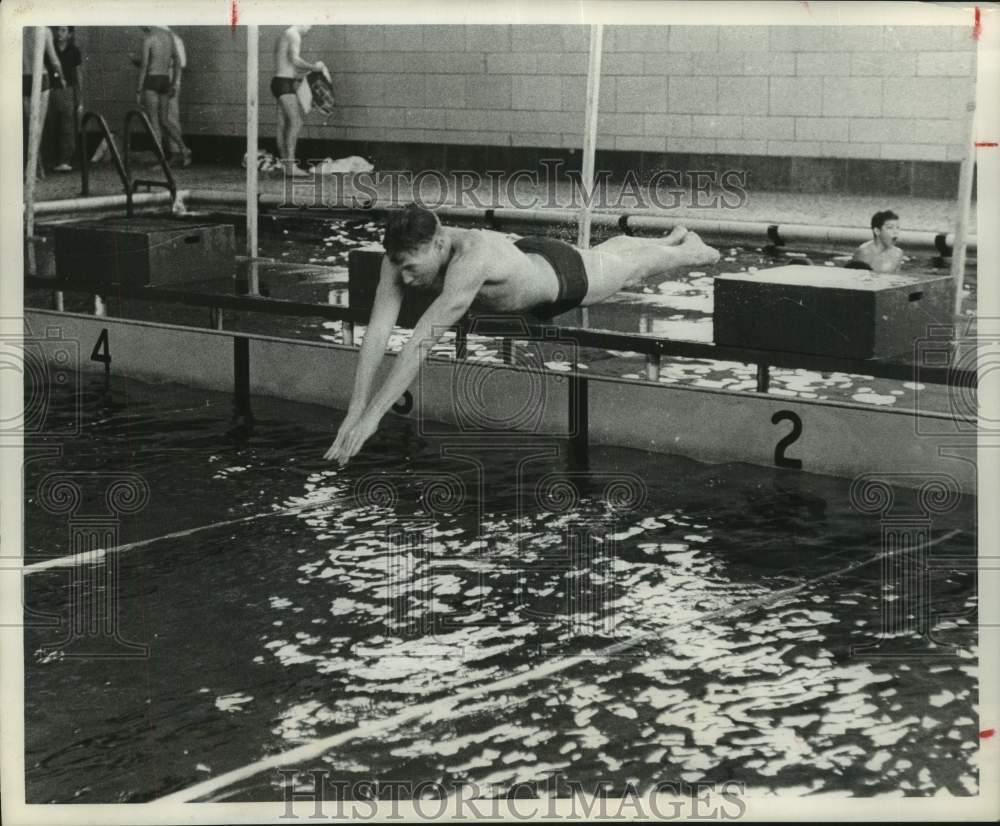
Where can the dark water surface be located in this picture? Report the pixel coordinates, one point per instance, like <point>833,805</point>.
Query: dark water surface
<point>719,608</point>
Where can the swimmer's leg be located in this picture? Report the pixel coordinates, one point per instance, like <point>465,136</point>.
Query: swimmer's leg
<point>620,243</point>
<point>282,129</point>
<point>293,125</point>
<point>632,260</point>
<point>151,106</point>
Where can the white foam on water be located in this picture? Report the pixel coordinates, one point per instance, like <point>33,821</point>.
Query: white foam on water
<point>942,699</point>
<point>874,398</point>
<point>231,702</point>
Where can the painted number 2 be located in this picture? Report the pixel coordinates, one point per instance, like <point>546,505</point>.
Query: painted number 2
<point>790,438</point>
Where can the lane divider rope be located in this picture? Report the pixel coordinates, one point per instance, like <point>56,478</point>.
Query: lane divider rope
<point>98,554</point>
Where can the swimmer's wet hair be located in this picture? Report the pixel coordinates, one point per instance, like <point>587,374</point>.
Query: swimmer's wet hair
<point>879,218</point>
<point>408,228</point>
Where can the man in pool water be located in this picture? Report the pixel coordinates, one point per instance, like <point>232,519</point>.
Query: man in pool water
<point>485,271</point>
<point>881,253</point>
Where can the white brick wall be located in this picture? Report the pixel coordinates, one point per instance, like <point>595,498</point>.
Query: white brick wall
<point>858,91</point>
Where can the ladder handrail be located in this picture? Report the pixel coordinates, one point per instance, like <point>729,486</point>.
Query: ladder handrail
<point>170,183</point>
<point>85,156</point>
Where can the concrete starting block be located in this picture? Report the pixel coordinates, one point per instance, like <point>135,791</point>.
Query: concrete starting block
<point>829,311</point>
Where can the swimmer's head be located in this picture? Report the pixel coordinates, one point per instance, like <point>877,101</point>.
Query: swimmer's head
<point>885,227</point>
<point>414,244</point>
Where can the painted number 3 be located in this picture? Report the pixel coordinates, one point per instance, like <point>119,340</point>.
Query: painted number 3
<point>790,438</point>
<point>405,403</point>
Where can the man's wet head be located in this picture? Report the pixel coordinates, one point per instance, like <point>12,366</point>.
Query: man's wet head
<point>414,243</point>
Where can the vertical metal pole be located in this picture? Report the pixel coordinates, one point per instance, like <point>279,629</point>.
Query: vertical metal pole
<point>590,142</point>
<point>965,178</point>
<point>34,139</point>
<point>653,367</point>
<point>578,397</point>
<point>253,80</point>
<point>507,350</point>
<point>763,378</point>
<point>241,380</point>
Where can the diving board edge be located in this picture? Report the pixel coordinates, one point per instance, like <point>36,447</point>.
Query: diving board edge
<point>474,400</point>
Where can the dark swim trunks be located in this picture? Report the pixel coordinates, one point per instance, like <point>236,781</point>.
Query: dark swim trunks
<point>157,83</point>
<point>26,85</point>
<point>567,263</point>
<point>284,86</point>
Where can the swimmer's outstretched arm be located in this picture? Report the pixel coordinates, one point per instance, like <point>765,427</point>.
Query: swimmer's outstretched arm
<point>461,287</point>
<point>385,311</point>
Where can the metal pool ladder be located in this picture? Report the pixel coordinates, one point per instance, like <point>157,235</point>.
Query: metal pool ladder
<point>124,168</point>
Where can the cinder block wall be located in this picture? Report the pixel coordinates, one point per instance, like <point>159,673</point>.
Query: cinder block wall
<point>879,93</point>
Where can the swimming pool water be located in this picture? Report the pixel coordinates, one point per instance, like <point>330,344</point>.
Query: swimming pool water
<point>717,607</point>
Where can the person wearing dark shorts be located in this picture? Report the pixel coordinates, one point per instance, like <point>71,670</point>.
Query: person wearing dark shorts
<point>289,69</point>
<point>466,268</point>
<point>159,74</point>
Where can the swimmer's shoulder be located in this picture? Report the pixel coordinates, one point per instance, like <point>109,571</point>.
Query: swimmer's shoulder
<point>480,248</point>
<point>865,252</point>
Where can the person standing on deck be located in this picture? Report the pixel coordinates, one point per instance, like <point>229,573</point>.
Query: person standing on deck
<point>289,70</point>
<point>66,101</point>
<point>157,83</point>
<point>27,66</point>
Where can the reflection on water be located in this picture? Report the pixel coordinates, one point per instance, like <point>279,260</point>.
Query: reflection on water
<point>700,624</point>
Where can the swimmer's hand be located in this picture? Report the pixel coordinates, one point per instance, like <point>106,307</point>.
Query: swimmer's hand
<point>355,430</point>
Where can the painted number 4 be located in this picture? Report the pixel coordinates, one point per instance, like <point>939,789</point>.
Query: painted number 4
<point>780,459</point>
<point>101,351</point>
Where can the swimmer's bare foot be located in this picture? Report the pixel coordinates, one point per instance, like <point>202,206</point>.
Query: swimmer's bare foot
<point>675,236</point>
<point>698,251</point>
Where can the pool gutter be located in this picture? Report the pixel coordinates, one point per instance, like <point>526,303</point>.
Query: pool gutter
<point>756,232</point>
